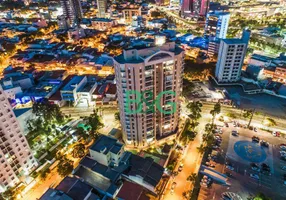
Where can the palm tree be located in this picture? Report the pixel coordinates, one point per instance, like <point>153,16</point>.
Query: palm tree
<point>201,149</point>
<point>216,110</point>
<point>192,178</point>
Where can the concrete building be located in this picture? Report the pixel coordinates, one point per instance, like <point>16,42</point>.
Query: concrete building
<point>131,11</point>
<point>107,151</point>
<point>72,11</point>
<point>63,22</point>
<point>69,92</point>
<point>194,7</point>
<point>156,70</point>
<point>16,159</point>
<point>230,58</point>
<point>103,23</point>
<point>217,24</point>
<point>216,29</point>
<point>101,8</point>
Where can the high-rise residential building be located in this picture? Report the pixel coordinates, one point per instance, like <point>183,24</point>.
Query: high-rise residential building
<point>216,29</point>
<point>230,58</point>
<point>194,7</point>
<point>101,8</point>
<point>149,85</point>
<point>16,159</point>
<point>217,24</point>
<point>72,11</point>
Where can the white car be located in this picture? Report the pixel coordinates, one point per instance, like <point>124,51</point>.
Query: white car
<point>254,176</point>
<point>229,167</point>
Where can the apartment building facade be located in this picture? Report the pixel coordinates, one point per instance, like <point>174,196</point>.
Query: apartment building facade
<point>231,57</point>
<point>149,85</point>
<point>16,159</point>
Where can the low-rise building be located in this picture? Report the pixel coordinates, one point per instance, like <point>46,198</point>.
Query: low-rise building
<point>107,151</point>
<point>103,23</point>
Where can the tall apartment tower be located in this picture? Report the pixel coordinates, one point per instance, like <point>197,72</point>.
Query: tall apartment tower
<point>194,7</point>
<point>217,24</point>
<point>147,77</point>
<point>72,11</point>
<point>216,29</point>
<point>101,7</point>
<point>16,159</point>
<point>230,58</point>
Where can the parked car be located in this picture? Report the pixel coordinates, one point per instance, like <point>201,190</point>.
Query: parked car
<point>255,139</point>
<point>255,167</point>
<point>230,167</point>
<point>180,167</point>
<point>283,167</point>
<point>226,124</point>
<point>173,187</point>
<point>265,169</point>
<point>255,129</point>
<point>283,158</point>
<point>264,143</point>
<point>283,146</point>
<point>234,133</point>
<point>254,176</point>
<point>284,179</point>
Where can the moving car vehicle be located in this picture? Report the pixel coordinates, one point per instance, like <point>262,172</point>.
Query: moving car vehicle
<point>234,133</point>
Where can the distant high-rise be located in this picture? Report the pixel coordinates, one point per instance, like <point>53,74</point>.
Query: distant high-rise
<point>149,85</point>
<point>16,158</point>
<point>217,25</point>
<point>194,7</point>
<point>72,11</point>
<point>101,8</point>
<point>230,58</point>
<point>163,2</point>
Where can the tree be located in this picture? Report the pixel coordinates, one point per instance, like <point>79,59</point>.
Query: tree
<point>81,132</point>
<point>78,151</point>
<point>271,122</point>
<point>93,121</point>
<point>192,178</point>
<point>201,149</point>
<point>259,196</point>
<point>9,194</point>
<point>117,116</point>
<point>44,173</point>
<point>216,110</point>
<point>65,167</point>
<point>195,113</point>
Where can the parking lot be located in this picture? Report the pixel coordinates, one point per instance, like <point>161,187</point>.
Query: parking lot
<point>239,152</point>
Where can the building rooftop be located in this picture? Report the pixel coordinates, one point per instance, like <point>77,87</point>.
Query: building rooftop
<point>132,191</point>
<point>52,194</point>
<point>74,187</point>
<point>111,89</point>
<point>106,144</point>
<point>233,41</point>
<point>19,112</point>
<point>150,171</point>
<point>73,82</point>
<point>102,19</point>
